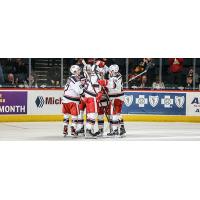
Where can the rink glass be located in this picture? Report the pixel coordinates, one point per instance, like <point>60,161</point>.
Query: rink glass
<point>53,73</point>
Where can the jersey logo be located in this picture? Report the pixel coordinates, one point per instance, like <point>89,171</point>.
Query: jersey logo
<point>153,100</point>
<point>128,100</point>
<point>179,101</point>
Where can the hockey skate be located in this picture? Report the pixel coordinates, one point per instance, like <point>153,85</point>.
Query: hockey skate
<point>122,132</point>
<point>65,130</point>
<point>81,131</point>
<point>89,134</point>
<point>99,133</point>
<point>73,132</point>
<point>113,133</point>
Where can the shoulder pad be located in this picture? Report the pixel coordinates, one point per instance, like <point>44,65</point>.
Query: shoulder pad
<point>74,78</point>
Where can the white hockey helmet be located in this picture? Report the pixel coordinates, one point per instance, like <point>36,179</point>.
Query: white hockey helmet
<point>114,68</point>
<point>75,69</point>
<point>88,68</point>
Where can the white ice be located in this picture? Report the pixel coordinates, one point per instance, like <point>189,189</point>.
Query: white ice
<point>135,131</point>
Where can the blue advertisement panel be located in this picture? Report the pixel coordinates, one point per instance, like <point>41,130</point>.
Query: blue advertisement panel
<point>162,103</point>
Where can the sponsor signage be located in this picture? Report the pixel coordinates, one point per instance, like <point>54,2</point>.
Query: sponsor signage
<point>155,103</point>
<point>193,104</point>
<point>13,102</point>
<point>48,102</point>
<point>44,103</point>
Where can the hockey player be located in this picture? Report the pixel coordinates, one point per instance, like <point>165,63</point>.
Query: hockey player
<point>103,105</point>
<point>116,96</point>
<point>81,107</point>
<point>86,71</point>
<point>104,69</point>
<point>93,95</point>
<point>71,98</point>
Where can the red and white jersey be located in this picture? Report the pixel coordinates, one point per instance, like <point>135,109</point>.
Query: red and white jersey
<point>101,71</point>
<point>72,90</point>
<point>92,86</point>
<point>115,87</point>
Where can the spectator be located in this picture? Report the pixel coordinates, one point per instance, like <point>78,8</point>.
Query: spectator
<point>10,81</point>
<point>32,81</point>
<point>175,71</point>
<point>136,71</point>
<point>158,84</point>
<point>144,82</point>
<point>143,64</point>
<point>189,83</point>
<point>191,73</point>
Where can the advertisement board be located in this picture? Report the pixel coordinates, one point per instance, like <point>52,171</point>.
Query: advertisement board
<point>193,104</point>
<point>13,102</point>
<point>44,102</point>
<point>162,103</point>
<point>48,102</point>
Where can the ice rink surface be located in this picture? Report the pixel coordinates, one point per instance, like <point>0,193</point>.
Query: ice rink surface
<point>136,131</point>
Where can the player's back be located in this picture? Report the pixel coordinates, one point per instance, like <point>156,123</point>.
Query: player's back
<point>93,86</point>
<point>73,88</point>
<point>117,84</point>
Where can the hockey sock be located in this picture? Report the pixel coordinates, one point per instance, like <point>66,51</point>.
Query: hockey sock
<point>90,121</point>
<point>115,122</point>
<point>122,122</point>
<point>100,122</point>
<point>74,121</point>
<point>66,119</point>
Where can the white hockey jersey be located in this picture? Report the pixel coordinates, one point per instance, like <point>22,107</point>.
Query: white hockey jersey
<point>115,87</point>
<point>96,68</point>
<point>72,90</point>
<point>92,86</point>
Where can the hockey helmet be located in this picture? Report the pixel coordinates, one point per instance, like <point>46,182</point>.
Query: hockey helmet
<point>87,68</point>
<point>75,69</point>
<point>114,68</point>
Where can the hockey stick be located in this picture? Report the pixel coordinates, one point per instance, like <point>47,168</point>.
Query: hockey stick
<point>145,71</point>
<point>84,63</point>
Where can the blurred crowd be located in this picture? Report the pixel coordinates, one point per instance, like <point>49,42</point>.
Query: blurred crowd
<point>143,73</point>
<point>175,75</point>
<point>13,72</point>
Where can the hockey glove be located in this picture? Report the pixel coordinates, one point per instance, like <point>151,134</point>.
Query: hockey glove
<point>103,82</point>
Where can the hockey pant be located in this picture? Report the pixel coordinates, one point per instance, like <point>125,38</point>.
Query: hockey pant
<point>91,110</point>
<point>103,109</point>
<point>70,109</point>
<point>115,113</point>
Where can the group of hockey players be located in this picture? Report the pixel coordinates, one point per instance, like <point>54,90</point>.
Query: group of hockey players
<point>96,90</point>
